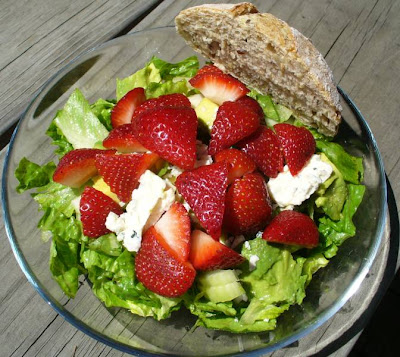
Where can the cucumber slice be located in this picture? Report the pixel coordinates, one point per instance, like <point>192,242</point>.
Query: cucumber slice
<point>225,292</point>
<point>217,277</point>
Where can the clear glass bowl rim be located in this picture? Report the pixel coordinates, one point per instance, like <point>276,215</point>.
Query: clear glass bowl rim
<point>321,319</point>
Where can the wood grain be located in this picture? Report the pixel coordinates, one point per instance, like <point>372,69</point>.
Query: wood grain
<point>360,40</point>
<point>37,38</point>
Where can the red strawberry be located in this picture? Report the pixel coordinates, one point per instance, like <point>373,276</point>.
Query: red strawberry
<point>204,190</point>
<point>247,207</point>
<point>122,139</point>
<point>209,254</point>
<point>159,271</point>
<point>253,104</point>
<point>239,163</point>
<point>77,166</point>
<point>174,230</point>
<point>122,172</point>
<point>169,132</point>
<point>234,122</point>
<point>291,227</point>
<point>94,208</point>
<point>297,143</point>
<point>123,110</point>
<point>264,148</point>
<point>163,101</point>
<point>209,68</point>
<point>219,87</point>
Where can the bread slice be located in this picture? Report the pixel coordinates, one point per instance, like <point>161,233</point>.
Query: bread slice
<point>268,55</point>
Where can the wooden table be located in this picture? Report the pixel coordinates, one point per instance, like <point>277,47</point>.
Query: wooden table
<point>360,41</point>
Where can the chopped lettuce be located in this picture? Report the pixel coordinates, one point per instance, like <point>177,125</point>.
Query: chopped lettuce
<point>186,68</point>
<point>102,109</point>
<point>59,140</point>
<point>276,112</point>
<point>334,233</point>
<point>159,77</point>
<point>350,167</point>
<point>31,175</point>
<point>77,122</point>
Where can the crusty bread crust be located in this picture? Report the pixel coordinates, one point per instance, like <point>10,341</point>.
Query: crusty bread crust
<point>268,55</point>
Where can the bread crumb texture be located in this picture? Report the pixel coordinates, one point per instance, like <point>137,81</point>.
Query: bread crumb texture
<point>268,55</point>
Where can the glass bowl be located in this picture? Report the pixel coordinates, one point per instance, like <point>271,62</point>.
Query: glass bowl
<point>95,73</point>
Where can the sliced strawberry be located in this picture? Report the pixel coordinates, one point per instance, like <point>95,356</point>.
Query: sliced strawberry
<point>239,163</point>
<point>163,101</point>
<point>174,230</point>
<point>77,166</point>
<point>209,68</point>
<point>298,145</point>
<point>159,271</point>
<point>247,207</point>
<point>169,132</point>
<point>264,148</point>
<point>122,139</point>
<point>291,227</point>
<point>204,190</point>
<point>253,104</point>
<point>219,87</point>
<point>123,110</point>
<point>207,253</point>
<point>234,122</point>
<point>122,172</point>
<point>94,208</point>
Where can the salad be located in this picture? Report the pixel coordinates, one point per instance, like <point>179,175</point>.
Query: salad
<point>189,190</point>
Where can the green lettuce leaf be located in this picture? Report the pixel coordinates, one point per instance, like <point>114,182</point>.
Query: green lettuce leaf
<point>350,167</point>
<point>186,68</point>
<point>59,140</point>
<point>332,194</point>
<point>334,233</point>
<point>76,121</point>
<point>312,264</point>
<point>102,109</point>
<point>141,78</point>
<point>276,283</point>
<point>154,90</point>
<point>31,175</point>
<point>276,112</point>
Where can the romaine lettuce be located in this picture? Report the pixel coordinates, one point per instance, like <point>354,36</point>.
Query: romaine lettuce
<point>81,128</point>
<point>31,175</point>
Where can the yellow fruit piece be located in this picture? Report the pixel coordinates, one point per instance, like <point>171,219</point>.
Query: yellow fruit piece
<point>206,111</point>
<point>100,185</point>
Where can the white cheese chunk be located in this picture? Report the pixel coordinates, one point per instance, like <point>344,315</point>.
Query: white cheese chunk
<point>149,201</point>
<point>253,261</point>
<point>289,191</point>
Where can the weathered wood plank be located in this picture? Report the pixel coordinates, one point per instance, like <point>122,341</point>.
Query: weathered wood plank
<point>354,36</point>
<point>39,37</point>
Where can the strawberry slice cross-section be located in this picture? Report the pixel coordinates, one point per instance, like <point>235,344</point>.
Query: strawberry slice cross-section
<point>204,189</point>
<point>218,87</point>
<point>78,166</point>
<point>169,132</point>
<point>122,172</point>
<point>158,270</point>
<point>123,110</point>
<point>247,208</point>
<point>292,227</point>
<point>94,208</point>
<point>174,230</point>
<point>234,122</point>
<point>297,143</point>
<point>207,253</point>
